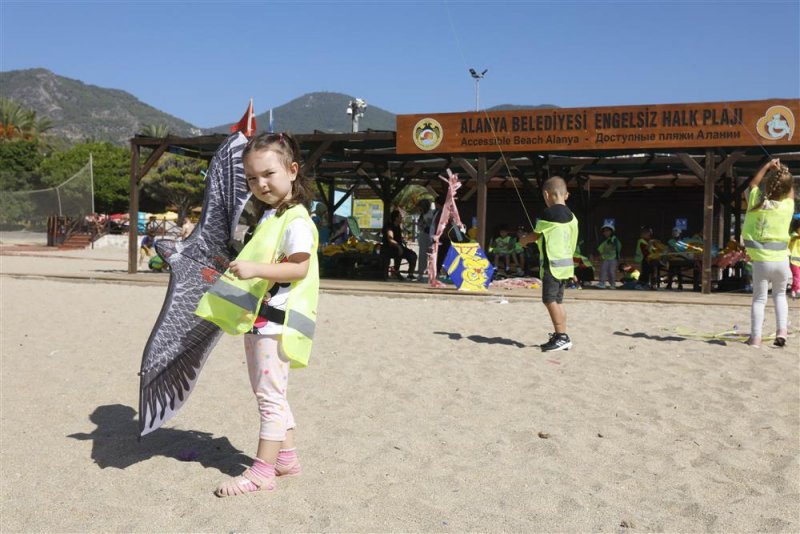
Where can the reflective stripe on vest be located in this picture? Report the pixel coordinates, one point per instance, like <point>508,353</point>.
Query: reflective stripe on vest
<point>794,258</point>
<point>766,245</point>
<point>566,262</point>
<point>235,295</point>
<point>301,323</point>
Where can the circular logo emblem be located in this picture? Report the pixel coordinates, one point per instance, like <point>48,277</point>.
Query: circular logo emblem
<point>777,123</point>
<point>427,134</point>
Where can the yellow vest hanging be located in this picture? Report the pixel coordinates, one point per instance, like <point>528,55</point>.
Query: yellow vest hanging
<point>766,229</point>
<point>560,241</point>
<point>233,304</point>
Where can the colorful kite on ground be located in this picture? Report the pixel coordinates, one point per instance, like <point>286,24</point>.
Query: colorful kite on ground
<point>468,267</point>
<point>181,341</point>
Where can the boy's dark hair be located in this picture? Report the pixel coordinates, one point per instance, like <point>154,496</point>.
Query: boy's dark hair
<point>395,214</point>
<point>795,224</point>
<point>288,148</point>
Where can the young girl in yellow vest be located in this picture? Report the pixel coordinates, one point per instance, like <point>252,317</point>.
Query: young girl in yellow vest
<point>766,237</point>
<point>794,254</point>
<point>277,273</point>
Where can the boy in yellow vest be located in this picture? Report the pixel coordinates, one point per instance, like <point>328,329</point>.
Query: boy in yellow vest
<point>556,235</point>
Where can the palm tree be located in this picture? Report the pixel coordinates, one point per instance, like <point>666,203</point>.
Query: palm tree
<point>12,118</point>
<point>17,122</point>
<point>155,130</point>
<point>409,196</point>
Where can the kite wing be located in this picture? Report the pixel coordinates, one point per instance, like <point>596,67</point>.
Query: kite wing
<point>180,341</point>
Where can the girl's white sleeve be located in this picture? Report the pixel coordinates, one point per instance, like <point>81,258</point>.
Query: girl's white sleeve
<point>297,238</point>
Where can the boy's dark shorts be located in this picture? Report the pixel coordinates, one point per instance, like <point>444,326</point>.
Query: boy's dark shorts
<point>552,288</point>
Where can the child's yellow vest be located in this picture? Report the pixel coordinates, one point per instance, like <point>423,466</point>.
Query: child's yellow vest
<point>609,248</point>
<point>639,254</point>
<point>560,241</point>
<point>233,304</point>
<point>794,251</point>
<point>765,231</point>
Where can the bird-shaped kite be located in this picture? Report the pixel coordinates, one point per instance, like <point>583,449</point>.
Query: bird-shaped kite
<point>181,341</point>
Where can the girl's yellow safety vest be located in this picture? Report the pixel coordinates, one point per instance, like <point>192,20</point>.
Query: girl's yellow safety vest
<point>560,239</point>
<point>765,231</point>
<point>233,304</point>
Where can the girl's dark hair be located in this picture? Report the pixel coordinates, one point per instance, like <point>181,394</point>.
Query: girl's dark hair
<point>777,184</point>
<point>795,224</point>
<point>288,148</point>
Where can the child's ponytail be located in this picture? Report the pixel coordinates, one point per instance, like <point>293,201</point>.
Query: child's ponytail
<point>776,186</point>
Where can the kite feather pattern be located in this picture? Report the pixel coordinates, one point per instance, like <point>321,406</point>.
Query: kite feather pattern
<point>180,342</point>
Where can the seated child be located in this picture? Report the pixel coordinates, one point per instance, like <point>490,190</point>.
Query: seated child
<point>502,248</point>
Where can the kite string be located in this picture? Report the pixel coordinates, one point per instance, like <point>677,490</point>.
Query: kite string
<point>491,128</point>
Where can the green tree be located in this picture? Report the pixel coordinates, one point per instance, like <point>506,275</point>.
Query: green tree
<point>177,181</point>
<point>111,170</point>
<point>19,165</point>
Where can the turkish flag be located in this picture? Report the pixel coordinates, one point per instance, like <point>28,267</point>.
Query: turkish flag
<point>247,124</point>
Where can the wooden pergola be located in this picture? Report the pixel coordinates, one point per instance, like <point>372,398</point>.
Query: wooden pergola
<point>370,160</point>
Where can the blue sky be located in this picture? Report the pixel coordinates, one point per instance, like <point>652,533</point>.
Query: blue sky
<point>201,61</point>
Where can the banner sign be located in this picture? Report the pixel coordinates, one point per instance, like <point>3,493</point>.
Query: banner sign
<point>718,124</point>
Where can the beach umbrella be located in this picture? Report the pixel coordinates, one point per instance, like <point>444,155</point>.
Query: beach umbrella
<point>180,341</point>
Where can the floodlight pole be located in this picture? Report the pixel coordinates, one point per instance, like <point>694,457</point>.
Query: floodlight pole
<point>355,108</point>
<point>354,116</point>
<point>478,77</point>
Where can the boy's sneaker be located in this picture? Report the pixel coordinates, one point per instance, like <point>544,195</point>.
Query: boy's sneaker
<point>550,337</point>
<point>557,342</point>
<point>601,285</point>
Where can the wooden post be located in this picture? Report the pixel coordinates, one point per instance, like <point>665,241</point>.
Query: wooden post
<point>133,211</point>
<point>483,189</point>
<point>708,219</point>
<point>737,207</point>
<point>730,188</point>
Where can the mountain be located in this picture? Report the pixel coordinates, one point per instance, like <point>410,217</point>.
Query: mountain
<point>81,111</point>
<point>321,111</point>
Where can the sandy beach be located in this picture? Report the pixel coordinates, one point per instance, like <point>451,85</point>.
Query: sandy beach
<point>430,413</point>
